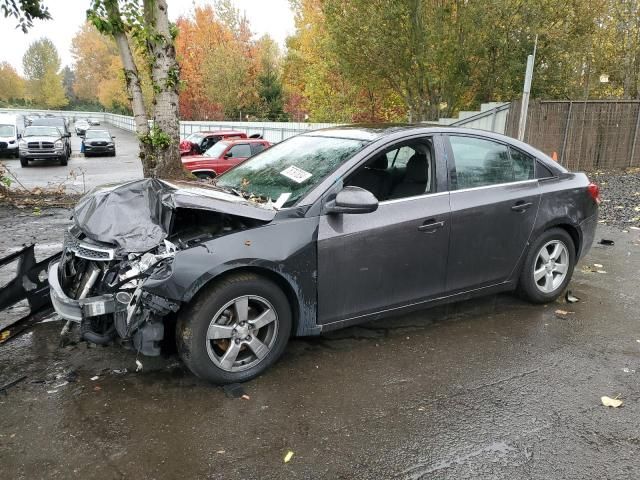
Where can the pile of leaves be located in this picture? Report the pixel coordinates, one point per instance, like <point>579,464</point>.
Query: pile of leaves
<point>620,192</point>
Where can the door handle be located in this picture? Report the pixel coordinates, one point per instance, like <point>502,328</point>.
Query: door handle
<point>430,226</point>
<point>521,206</point>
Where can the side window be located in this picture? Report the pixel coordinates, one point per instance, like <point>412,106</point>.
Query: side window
<point>482,162</point>
<point>241,150</point>
<point>399,157</point>
<point>523,165</point>
<point>257,147</point>
<point>399,172</point>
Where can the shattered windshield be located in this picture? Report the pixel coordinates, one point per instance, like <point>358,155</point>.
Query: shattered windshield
<point>6,130</point>
<point>288,170</point>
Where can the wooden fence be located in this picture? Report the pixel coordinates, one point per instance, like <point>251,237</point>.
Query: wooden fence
<point>596,134</point>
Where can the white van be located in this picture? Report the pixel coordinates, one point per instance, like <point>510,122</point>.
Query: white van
<point>11,128</point>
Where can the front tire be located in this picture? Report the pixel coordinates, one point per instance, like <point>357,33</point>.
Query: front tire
<point>234,329</point>
<point>63,160</point>
<point>548,266</point>
<point>24,162</point>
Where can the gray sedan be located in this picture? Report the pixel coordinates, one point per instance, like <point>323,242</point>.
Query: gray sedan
<point>324,230</point>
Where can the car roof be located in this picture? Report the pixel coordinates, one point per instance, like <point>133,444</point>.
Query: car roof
<point>221,132</point>
<point>48,121</point>
<point>233,141</point>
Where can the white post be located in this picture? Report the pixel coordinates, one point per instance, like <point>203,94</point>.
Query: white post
<point>528,77</point>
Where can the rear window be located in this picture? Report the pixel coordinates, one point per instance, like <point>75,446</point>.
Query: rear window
<point>257,147</point>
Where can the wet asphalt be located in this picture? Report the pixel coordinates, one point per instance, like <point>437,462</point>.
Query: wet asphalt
<point>488,388</point>
<point>81,174</point>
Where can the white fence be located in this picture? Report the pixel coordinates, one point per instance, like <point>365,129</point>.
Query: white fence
<point>491,117</point>
<point>272,131</point>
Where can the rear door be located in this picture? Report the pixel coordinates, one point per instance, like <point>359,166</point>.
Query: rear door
<point>494,203</point>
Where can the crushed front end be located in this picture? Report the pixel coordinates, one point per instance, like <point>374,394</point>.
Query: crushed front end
<point>100,289</point>
<point>127,235</point>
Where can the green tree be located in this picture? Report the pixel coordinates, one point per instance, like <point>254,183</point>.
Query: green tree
<point>41,65</point>
<point>270,90</point>
<point>25,12</point>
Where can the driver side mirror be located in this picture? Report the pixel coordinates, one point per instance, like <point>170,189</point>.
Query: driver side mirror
<point>68,135</point>
<point>228,154</point>
<point>352,199</point>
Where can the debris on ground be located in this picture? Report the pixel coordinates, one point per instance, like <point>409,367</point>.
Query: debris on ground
<point>6,386</point>
<point>245,397</point>
<point>606,241</point>
<point>596,268</point>
<point>234,390</point>
<point>562,313</point>
<point>138,365</point>
<point>288,456</point>
<point>611,402</point>
<point>94,378</point>
<point>570,298</point>
<point>620,191</point>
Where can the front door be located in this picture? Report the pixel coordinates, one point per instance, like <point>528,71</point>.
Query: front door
<point>393,257</point>
<point>493,211</point>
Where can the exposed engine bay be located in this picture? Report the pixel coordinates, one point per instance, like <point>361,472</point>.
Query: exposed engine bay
<point>100,285</point>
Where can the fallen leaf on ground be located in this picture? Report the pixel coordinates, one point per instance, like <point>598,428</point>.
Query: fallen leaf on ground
<point>93,379</point>
<point>289,456</point>
<point>563,312</point>
<point>220,452</point>
<point>611,402</point>
<point>138,365</point>
<point>245,397</point>
<point>601,271</point>
<point>570,298</point>
<point>598,265</point>
<point>97,388</point>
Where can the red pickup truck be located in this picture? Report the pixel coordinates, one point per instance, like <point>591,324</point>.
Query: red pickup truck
<point>199,142</point>
<point>222,156</point>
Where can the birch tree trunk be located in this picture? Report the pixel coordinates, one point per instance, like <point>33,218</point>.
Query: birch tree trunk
<point>165,75</point>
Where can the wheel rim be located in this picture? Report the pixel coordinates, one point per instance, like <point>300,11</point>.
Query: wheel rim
<point>551,266</point>
<point>242,333</point>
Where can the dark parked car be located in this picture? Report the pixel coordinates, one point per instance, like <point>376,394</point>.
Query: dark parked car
<point>199,142</point>
<point>98,142</point>
<point>61,124</point>
<point>324,230</point>
<point>41,143</point>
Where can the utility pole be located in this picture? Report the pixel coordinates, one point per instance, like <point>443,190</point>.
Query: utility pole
<point>528,76</point>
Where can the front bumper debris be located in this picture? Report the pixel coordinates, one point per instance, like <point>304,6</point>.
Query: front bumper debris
<point>30,283</point>
<point>77,310</point>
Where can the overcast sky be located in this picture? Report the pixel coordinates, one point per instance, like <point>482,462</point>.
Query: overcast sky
<point>265,16</point>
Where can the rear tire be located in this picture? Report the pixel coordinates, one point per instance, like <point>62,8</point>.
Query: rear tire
<point>234,329</point>
<point>548,267</point>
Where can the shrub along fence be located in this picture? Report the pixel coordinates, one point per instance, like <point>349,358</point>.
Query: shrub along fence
<point>585,135</point>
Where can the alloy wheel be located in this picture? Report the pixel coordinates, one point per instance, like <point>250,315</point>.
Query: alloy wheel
<point>242,333</point>
<point>551,266</point>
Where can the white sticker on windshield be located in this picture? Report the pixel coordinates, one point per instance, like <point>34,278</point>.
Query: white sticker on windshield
<point>281,199</point>
<point>296,174</point>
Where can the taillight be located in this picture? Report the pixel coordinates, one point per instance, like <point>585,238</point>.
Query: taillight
<point>594,192</point>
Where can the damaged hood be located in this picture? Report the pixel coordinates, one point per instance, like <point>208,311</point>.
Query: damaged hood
<point>136,216</point>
